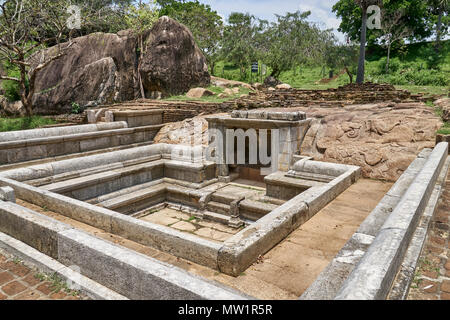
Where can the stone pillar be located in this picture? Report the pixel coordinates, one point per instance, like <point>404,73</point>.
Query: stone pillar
<point>235,220</point>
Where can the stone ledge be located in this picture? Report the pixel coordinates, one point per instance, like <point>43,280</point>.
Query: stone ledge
<point>335,274</point>
<point>372,278</point>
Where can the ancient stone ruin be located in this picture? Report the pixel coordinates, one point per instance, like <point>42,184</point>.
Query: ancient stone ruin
<point>246,214</point>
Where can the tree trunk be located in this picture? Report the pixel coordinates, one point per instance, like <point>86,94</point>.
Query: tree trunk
<point>350,75</point>
<point>362,49</point>
<point>141,85</point>
<point>388,57</point>
<point>438,30</point>
<point>213,66</point>
<point>25,96</point>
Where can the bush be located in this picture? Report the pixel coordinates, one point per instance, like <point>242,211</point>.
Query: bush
<point>11,88</point>
<point>76,108</point>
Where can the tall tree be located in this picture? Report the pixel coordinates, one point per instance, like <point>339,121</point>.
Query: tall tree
<point>354,21</point>
<point>440,8</point>
<point>141,17</point>
<point>238,42</point>
<point>364,4</point>
<point>343,57</point>
<point>205,24</point>
<point>24,27</point>
<point>394,28</point>
<point>291,41</point>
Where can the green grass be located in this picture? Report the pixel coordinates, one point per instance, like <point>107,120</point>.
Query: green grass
<point>16,124</point>
<point>445,130</point>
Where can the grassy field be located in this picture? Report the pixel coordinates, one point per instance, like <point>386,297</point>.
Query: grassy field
<point>15,124</point>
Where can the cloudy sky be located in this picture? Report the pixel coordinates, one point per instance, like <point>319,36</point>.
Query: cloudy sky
<point>321,10</point>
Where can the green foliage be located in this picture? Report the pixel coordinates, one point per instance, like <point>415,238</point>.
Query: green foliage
<point>205,24</point>
<point>240,41</point>
<point>292,41</point>
<point>142,16</point>
<point>11,88</point>
<point>76,108</point>
<point>416,11</point>
<point>15,124</point>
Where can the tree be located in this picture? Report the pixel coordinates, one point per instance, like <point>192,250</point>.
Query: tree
<point>394,28</point>
<point>205,24</point>
<point>239,45</point>
<point>364,4</point>
<point>439,8</point>
<point>354,14</point>
<point>416,12</point>
<point>23,23</point>
<point>291,41</point>
<point>140,18</point>
<point>343,56</point>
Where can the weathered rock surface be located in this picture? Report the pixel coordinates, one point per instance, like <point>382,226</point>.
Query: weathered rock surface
<point>444,104</point>
<point>225,83</point>
<point>283,86</point>
<point>383,138</point>
<point>190,132</point>
<point>103,68</point>
<point>271,82</point>
<point>199,93</point>
<point>96,69</point>
<point>172,63</point>
<point>8,108</point>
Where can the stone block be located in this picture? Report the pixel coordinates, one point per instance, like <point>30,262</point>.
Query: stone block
<point>7,194</point>
<point>132,274</point>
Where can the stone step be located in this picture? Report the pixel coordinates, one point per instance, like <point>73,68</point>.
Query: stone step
<point>224,198</point>
<point>218,208</point>
<point>216,217</point>
<point>131,198</point>
<point>95,179</point>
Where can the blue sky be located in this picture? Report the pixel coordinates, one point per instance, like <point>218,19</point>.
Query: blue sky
<point>321,10</point>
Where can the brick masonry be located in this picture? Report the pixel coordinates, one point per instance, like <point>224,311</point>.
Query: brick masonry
<point>24,282</point>
<point>432,277</point>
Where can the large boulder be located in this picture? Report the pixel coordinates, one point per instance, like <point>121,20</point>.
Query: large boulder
<point>199,93</point>
<point>102,68</point>
<point>96,69</point>
<point>172,63</point>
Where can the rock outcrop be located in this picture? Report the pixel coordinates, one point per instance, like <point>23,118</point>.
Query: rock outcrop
<point>199,93</point>
<point>444,104</point>
<point>102,68</point>
<point>172,63</point>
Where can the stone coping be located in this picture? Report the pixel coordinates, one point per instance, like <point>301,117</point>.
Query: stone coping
<point>99,260</point>
<point>59,131</point>
<point>372,278</point>
<point>232,257</point>
<point>29,142</point>
<point>138,113</point>
<point>366,266</point>
<point>269,115</point>
<point>229,122</point>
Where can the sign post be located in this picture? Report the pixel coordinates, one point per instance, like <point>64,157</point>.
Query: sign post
<point>255,69</point>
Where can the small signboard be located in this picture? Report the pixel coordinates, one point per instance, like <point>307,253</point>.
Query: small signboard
<point>255,67</point>
<point>263,69</point>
